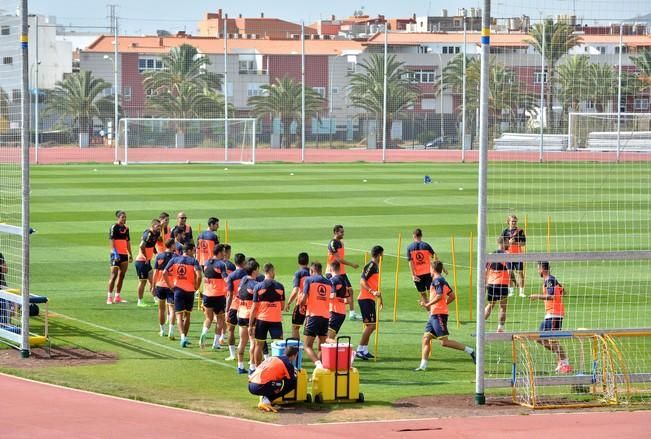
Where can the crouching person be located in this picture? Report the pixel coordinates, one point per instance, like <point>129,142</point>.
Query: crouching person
<point>274,378</point>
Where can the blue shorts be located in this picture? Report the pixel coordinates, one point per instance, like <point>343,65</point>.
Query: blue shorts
<point>551,324</point>
<point>164,294</point>
<point>367,308</point>
<point>216,303</point>
<point>183,300</point>
<point>316,326</point>
<point>119,260</point>
<point>437,325</point>
<point>298,315</point>
<point>143,268</point>
<point>495,293</point>
<point>335,322</point>
<point>424,283</point>
<point>273,329</point>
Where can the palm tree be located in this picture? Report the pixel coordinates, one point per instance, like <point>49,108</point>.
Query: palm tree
<point>282,99</point>
<point>643,64</point>
<point>366,89</point>
<point>78,97</point>
<point>183,64</point>
<point>574,81</point>
<point>557,38</point>
<point>506,99</point>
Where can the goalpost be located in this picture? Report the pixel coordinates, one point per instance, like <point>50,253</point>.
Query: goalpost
<point>175,140</point>
<point>609,131</point>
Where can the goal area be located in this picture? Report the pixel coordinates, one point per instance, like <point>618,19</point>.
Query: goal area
<point>171,140</point>
<point>609,131</point>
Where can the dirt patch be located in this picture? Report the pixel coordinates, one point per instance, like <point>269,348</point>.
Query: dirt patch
<point>57,357</point>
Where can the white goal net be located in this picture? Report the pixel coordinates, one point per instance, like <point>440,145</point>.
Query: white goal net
<point>610,131</point>
<point>158,140</point>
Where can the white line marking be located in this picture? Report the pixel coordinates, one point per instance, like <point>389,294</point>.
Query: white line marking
<point>89,392</point>
<point>144,340</point>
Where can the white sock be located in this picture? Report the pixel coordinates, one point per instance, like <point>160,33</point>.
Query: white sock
<point>232,349</point>
<point>366,349</point>
<point>139,301</point>
<point>109,294</point>
<point>468,350</point>
<point>240,365</point>
<point>510,290</point>
<point>204,331</point>
<point>318,364</point>
<point>265,400</point>
<point>521,290</point>
<point>162,327</point>
<point>171,330</point>
<point>215,339</point>
<point>361,348</point>
<point>423,364</point>
<point>182,337</point>
<point>500,327</point>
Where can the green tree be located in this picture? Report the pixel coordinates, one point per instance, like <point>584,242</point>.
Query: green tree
<point>282,99</point>
<point>643,64</point>
<point>366,89</point>
<point>79,97</point>
<point>557,38</point>
<point>574,81</point>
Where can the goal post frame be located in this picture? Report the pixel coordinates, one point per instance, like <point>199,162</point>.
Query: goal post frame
<point>617,117</point>
<point>123,142</point>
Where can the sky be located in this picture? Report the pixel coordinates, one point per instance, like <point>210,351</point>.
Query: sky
<point>146,16</point>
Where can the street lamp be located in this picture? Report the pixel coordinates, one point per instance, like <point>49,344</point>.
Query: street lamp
<point>113,138</point>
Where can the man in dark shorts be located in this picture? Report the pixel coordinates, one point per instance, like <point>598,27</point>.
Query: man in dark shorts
<point>245,295</point>
<point>420,256</point>
<point>517,241</point>
<point>183,275</point>
<point>336,252</point>
<point>120,256</point>
<point>214,295</point>
<point>338,302</point>
<point>552,294</point>
<point>267,312</point>
<point>146,251</point>
<point>165,295</point>
<point>298,315</point>
<point>497,286</point>
<point>440,296</point>
<point>316,295</point>
<point>274,378</point>
<point>368,294</point>
<point>233,302</point>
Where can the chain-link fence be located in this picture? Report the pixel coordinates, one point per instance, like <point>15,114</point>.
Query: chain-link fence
<point>362,88</point>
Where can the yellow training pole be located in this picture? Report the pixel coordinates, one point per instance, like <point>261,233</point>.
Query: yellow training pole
<point>377,311</point>
<point>549,234</point>
<point>470,278</point>
<point>226,230</point>
<point>454,280</point>
<point>395,287</point>
<point>365,258</point>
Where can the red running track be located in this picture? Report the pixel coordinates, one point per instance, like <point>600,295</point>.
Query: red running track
<point>35,410</point>
<point>54,155</point>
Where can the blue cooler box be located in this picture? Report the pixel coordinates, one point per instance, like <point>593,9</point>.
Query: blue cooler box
<point>278,348</point>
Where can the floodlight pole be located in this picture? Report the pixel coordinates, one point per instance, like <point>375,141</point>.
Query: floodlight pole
<point>619,92</point>
<point>24,144</point>
<point>302,92</point>
<point>115,80</point>
<point>225,32</point>
<point>463,95</point>
<point>36,94</point>
<point>543,82</point>
<point>480,398</point>
<point>384,97</point>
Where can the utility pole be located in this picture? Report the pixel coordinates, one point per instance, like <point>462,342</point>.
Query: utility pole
<point>113,18</point>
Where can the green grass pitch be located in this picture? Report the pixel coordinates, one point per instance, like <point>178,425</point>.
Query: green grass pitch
<point>274,215</point>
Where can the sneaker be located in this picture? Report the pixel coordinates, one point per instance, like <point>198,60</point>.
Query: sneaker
<point>185,343</point>
<point>109,300</point>
<point>171,337</point>
<point>361,356</point>
<point>267,408</point>
<point>474,358</point>
<point>369,355</point>
<point>202,339</point>
<point>119,299</point>
<point>216,347</point>
<point>161,333</point>
<point>522,295</point>
<point>565,368</point>
<point>142,305</point>
<point>241,370</point>
<point>251,371</point>
<point>511,294</point>
<point>499,329</point>
<point>419,369</point>
<point>229,358</point>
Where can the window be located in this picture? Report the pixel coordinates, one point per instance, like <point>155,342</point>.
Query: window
<point>149,63</point>
<point>601,49</point>
<point>641,104</point>
<point>539,77</point>
<point>247,66</point>
<point>253,89</point>
<point>7,60</point>
<point>352,63</point>
<point>334,90</point>
<point>15,95</point>
<point>422,76</point>
<point>4,30</point>
<point>108,91</point>
<point>126,93</point>
<point>320,90</point>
